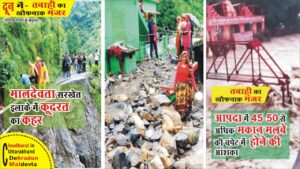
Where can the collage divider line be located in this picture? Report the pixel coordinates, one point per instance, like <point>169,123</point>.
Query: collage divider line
<point>204,84</point>
<point>102,38</point>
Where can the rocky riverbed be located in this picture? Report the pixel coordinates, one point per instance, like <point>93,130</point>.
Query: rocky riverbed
<point>143,130</point>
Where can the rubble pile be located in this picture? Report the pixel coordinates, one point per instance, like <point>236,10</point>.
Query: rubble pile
<point>143,130</point>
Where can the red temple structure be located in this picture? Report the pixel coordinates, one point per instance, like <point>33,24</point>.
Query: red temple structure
<point>228,22</point>
<point>236,54</point>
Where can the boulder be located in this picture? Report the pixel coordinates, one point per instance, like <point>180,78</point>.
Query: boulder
<point>156,135</point>
<point>143,94</point>
<point>174,116</point>
<point>171,120</point>
<point>163,153</point>
<point>135,135</point>
<point>117,112</point>
<point>146,116</point>
<point>161,99</point>
<point>149,133</point>
<point>119,128</point>
<point>168,142</point>
<point>151,91</point>
<point>138,122</point>
<point>197,116</point>
<point>168,124</point>
<point>156,163</point>
<point>192,134</point>
<point>133,160</point>
<point>122,140</point>
<point>181,140</point>
<point>110,140</point>
<point>119,160</point>
<point>120,97</point>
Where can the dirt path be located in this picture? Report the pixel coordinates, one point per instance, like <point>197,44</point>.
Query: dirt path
<point>74,77</point>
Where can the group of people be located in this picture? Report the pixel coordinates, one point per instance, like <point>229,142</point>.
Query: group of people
<point>185,83</point>
<point>37,74</point>
<point>184,32</point>
<point>79,62</point>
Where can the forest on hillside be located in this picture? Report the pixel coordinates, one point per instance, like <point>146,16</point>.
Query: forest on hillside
<point>84,26</point>
<point>21,42</point>
<point>170,9</point>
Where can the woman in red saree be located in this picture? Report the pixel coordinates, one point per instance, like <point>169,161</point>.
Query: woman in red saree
<point>186,34</point>
<point>178,42</point>
<point>184,85</point>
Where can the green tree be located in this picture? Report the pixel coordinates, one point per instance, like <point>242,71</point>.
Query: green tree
<point>170,9</point>
<point>167,17</point>
<point>86,16</point>
<point>73,41</point>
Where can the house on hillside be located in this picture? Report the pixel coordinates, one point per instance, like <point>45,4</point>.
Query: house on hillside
<point>125,22</point>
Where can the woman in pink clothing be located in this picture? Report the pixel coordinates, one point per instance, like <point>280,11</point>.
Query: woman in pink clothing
<point>186,35</point>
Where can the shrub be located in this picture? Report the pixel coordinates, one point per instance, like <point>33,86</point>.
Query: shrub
<point>95,70</point>
<point>8,70</point>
